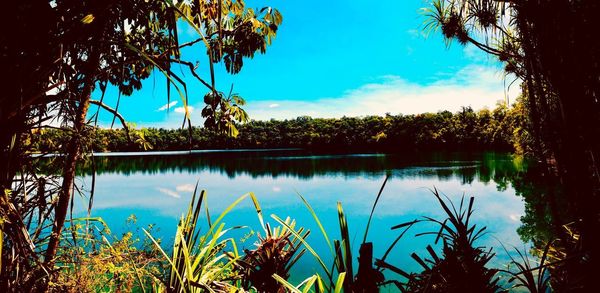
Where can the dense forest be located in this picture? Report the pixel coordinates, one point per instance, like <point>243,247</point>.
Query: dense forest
<point>502,129</point>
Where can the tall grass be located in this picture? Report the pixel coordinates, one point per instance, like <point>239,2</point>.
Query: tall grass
<point>462,266</point>
<point>341,271</point>
<point>198,261</point>
<point>212,262</point>
<point>528,274</point>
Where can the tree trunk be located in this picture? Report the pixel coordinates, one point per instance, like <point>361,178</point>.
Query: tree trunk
<point>367,278</point>
<point>72,156</point>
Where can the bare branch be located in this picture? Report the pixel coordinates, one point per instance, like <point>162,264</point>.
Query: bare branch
<point>115,113</point>
<point>193,71</point>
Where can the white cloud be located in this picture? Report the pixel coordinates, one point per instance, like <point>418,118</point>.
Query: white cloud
<point>476,55</point>
<point>475,86</point>
<point>185,188</point>
<point>182,109</point>
<point>169,192</point>
<point>417,33</point>
<point>167,106</point>
<point>275,105</point>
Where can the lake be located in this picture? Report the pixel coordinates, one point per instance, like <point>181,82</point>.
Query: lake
<point>157,188</point>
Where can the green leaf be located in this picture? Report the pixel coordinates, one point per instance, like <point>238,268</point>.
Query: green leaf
<point>339,284</point>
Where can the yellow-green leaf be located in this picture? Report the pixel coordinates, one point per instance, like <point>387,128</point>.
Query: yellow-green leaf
<point>88,19</point>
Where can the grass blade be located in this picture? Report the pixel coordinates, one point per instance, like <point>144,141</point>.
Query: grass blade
<point>373,209</point>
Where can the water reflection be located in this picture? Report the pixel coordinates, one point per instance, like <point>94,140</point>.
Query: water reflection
<point>158,188</point>
<point>297,163</point>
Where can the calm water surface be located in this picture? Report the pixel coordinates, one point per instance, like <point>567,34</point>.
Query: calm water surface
<point>157,189</point>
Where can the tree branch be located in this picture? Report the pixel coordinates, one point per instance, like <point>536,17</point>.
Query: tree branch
<point>115,113</point>
<point>193,71</point>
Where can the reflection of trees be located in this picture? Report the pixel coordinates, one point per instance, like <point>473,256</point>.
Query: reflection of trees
<point>544,206</point>
<point>504,170</point>
<point>550,221</point>
<point>302,164</point>
<point>546,212</point>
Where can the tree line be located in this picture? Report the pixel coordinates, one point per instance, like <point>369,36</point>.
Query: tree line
<point>499,129</point>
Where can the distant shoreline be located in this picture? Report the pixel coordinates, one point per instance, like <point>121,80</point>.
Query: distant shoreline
<point>168,153</point>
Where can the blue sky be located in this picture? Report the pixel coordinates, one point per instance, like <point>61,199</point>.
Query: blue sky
<point>337,58</point>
